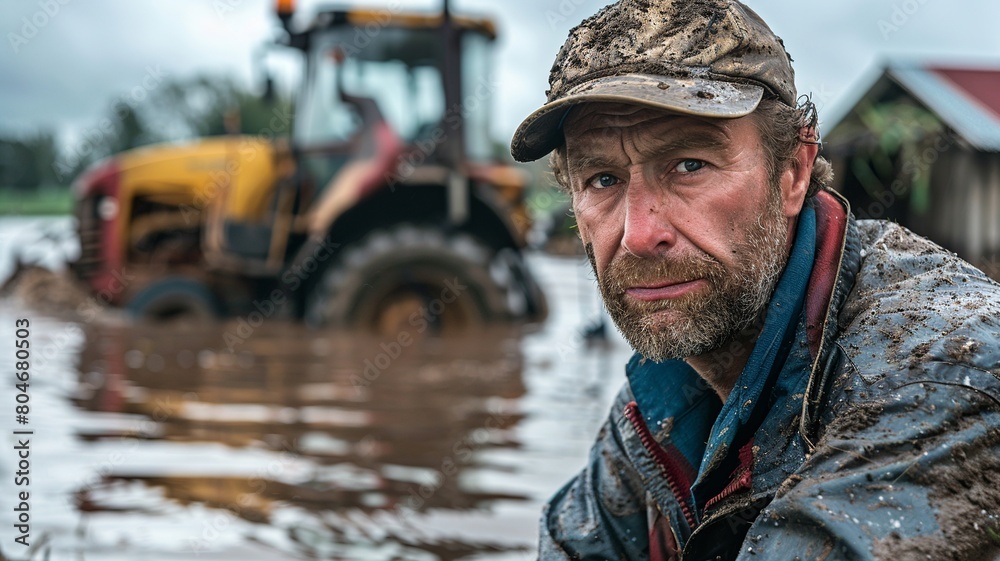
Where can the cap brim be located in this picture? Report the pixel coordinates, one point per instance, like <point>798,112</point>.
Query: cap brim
<point>542,133</point>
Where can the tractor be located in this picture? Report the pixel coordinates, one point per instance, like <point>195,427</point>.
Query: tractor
<point>384,208</point>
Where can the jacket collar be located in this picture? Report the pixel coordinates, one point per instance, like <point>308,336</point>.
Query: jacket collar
<point>837,263</point>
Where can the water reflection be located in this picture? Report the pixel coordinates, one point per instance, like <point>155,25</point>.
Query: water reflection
<point>160,444</point>
<point>360,436</point>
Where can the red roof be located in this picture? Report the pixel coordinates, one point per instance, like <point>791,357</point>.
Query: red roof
<point>982,86</point>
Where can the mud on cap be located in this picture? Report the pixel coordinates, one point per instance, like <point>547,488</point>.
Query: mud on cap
<point>714,58</point>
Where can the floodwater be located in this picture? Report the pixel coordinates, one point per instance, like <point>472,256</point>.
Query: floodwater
<point>165,444</point>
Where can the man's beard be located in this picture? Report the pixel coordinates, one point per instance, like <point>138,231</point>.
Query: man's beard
<point>699,323</point>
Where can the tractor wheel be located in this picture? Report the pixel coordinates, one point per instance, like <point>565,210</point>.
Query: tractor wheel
<point>412,278</point>
<point>175,299</point>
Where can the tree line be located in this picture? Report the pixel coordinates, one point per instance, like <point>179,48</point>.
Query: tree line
<point>176,109</point>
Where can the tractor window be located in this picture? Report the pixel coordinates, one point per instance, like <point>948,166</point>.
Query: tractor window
<point>322,117</point>
<point>397,68</point>
<point>478,92</point>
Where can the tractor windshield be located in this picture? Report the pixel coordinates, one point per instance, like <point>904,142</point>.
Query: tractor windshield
<point>400,70</point>
<point>397,68</point>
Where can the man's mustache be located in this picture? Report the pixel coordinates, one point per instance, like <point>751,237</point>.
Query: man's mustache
<point>628,270</point>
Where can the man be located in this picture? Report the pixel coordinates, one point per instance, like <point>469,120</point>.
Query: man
<point>806,386</point>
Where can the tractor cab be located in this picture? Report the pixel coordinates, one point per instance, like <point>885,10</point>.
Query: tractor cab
<point>361,78</point>
<point>388,99</point>
<point>391,91</point>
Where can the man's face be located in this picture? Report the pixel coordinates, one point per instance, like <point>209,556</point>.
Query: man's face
<point>684,227</point>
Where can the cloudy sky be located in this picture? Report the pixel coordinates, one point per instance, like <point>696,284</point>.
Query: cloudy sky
<point>63,61</point>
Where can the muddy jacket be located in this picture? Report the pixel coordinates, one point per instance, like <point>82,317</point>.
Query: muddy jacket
<point>866,424</point>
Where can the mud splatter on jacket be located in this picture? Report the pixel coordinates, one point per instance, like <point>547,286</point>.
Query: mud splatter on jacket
<point>866,424</point>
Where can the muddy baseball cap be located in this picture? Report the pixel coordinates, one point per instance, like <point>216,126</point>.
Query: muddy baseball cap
<point>714,58</point>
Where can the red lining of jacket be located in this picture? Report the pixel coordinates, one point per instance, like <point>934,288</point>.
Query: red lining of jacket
<point>831,228</point>
<point>679,482</point>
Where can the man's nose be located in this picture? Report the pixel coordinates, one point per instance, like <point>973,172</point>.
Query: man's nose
<point>648,228</point>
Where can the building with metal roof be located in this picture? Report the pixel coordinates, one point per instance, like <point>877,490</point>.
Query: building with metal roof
<point>921,146</point>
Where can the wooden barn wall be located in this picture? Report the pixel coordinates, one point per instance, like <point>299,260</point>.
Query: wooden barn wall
<point>964,213</point>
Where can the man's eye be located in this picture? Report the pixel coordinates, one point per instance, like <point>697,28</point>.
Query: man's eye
<point>603,181</point>
<point>689,166</point>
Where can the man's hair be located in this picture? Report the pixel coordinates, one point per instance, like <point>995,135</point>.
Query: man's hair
<point>782,130</point>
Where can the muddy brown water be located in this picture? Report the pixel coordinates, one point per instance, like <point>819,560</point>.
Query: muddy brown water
<point>162,443</point>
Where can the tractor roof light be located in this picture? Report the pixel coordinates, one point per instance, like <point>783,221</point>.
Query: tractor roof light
<point>285,10</point>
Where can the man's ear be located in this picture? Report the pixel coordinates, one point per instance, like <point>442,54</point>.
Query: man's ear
<point>795,179</point>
